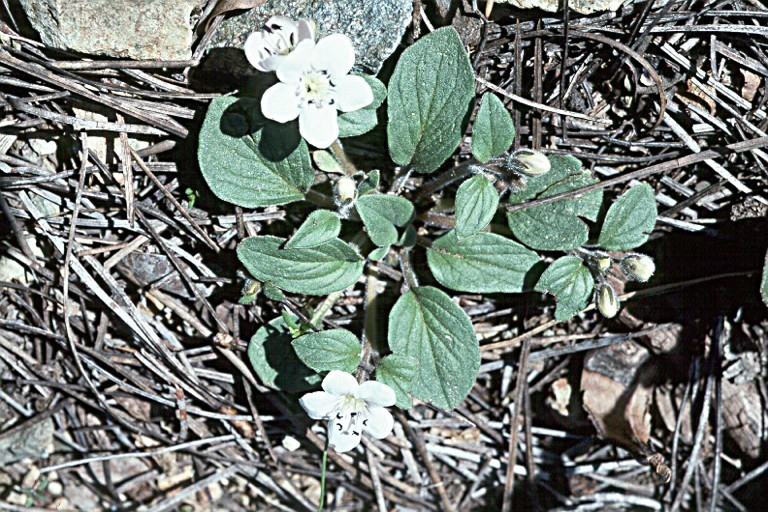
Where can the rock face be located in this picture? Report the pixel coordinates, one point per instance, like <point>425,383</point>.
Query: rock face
<point>129,29</point>
<point>375,26</point>
<point>580,6</point>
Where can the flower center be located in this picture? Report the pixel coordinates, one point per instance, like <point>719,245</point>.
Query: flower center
<point>316,87</point>
<point>351,415</point>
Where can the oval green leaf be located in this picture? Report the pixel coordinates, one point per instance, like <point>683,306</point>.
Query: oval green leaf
<point>555,226</point>
<point>426,325</point>
<point>570,282</point>
<point>337,349</point>
<point>481,263</point>
<point>476,204</point>
<point>314,271</point>
<point>430,93</point>
<point>764,282</point>
<point>381,213</point>
<point>397,371</point>
<point>275,361</point>
<point>321,226</point>
<point>629,220</point>
<point>236,169</point>
<point>493,132</point>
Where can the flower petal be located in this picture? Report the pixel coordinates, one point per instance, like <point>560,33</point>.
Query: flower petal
<point>280,103</point>
<point>352,93</point>
<point>379,422</point>
<point>279,24</point>
<point>258,48</point>
<point>319,404</point>
<point>340,383</point>
<point>297,62</point>
<point>271,63</point>
<point>342,440</point>
<point>376,393</point>
<point>319,127</point>
<point>306,30</point>
<point>335,54</point>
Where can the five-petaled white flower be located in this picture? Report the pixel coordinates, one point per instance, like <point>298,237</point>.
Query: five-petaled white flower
<point>266,49</point>
<point>351,408</point>
<point>314,84</point>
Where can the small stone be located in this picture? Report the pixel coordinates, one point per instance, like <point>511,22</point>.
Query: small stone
<point>375,26</point>
<point>35,441</point>
<point>291,444</point>
<point>580,6</point>
<point>127,29</point>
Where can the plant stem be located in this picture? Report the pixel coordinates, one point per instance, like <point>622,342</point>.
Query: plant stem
<point>341,155</point>
<point>322,478</point>
<point>370,326</point>
<point>407,268</point>
<point>445,179</point>
<point>325,306</point>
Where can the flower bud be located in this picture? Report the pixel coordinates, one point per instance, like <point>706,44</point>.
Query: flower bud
<point>531,163</point>
<point>638,267</point>
<point>606,300</point>
<point>346,189</point>
<point>603,263</point>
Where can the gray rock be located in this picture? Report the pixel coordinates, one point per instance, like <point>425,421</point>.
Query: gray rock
<point>129,29</point>
<point>35,441</point>
<point>375,26</point>
<point>580,6</point>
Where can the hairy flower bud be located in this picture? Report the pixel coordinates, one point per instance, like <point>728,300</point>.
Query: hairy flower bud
<point>638,267</point>
<point>603,263</point>
<point>607,302</point>
<point>531,163</point>
<point>346,189</point>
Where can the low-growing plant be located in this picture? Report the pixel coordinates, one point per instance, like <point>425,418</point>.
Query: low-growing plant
<point>255,152</point>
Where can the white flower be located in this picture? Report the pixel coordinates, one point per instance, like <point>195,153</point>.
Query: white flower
<point>314,84</point>
<point>351,408</point>
<point>266,49</point>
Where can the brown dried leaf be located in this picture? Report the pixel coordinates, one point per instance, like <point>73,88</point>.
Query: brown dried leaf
<point>745,422</point>
<point>616,386</point>
<point>751,84</point>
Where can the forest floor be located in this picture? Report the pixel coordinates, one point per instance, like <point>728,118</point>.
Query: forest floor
<point>138,394</point>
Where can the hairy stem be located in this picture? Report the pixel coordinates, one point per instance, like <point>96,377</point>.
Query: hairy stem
<point>373,288</point>
<point>445,179</point>
<point>341,155</point>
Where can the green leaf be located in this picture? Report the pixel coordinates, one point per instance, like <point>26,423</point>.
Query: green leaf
<point>237,170</point>
<point>570,282</point>
<point>320,227</point>
<point>555,226</point>
<point>314,271</point>
<point>430,93</point>
<point>378,253</point>
<point>397,371</point>
<point>476,203</point>
<point>326,162</point>
<point>493,131</point>
<point>364,120</point>
<point>337,349</point>
<point>481,263</point>
<point>629,220</point>
<point>381,213</point>
<point>272,292</point>
<point>275,361</point>
<point>426,325</point>
<point>370,183</point>
<point>764,282</point>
